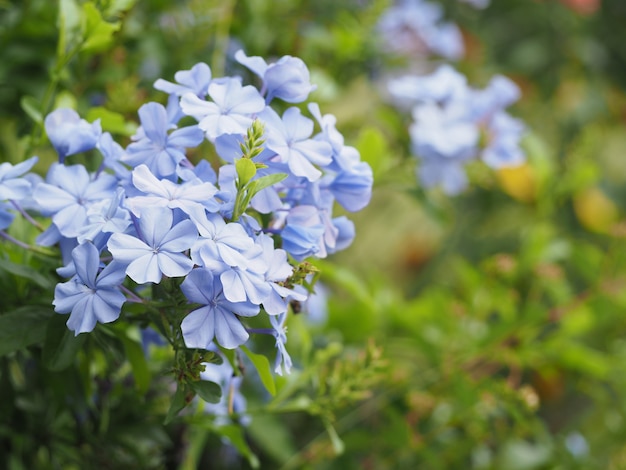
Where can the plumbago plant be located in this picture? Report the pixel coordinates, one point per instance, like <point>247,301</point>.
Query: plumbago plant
<point>196,234</point>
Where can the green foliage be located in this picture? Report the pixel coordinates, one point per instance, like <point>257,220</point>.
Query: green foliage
<point>484,332</point>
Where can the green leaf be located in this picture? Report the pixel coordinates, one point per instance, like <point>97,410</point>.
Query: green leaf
<point>246,169</point>
<point>23,327</point>
<point>65,99</point>
<point>31,107</point>
<point>111,121</point>
<point>264,182</point>
<point>116,7</point>
<point>27,272</point>
<point>69,25</point>
<point>61,345</point>
<point>372,145</point>
<point>262,365</point>
<point>178,403</point>
<point>212,357</point>
<point>338,445</point>
<point>208,391</point>
<point>137,359</point>
<point>97,33</point>
<point>236,437</point>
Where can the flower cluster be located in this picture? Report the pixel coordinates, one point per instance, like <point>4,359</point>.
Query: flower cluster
<point>228,235</point>
<point>417,28</point>
<point>454,123</point>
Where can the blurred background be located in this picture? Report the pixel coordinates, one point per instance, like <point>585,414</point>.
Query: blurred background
<point>485,330</point>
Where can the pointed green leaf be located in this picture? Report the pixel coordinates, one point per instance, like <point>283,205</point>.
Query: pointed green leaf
<point>116,7</point>
<point>264,182</point>
<point>69,25</point>
<point>97,33</point>
<point>208,391</point>
<point>178,403</point>
<point>246,169</point>
<point>31,107</point>
<point>27,272</point>
<point>262,365</point>
<point>23,327</point>
<point>372,145</point>
<point>111,121</point>
<point>236,437</point>
<point>60,346</point>
<point>338,445</point>
<point>137,359</point>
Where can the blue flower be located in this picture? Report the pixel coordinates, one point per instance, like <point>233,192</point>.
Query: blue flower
<point>290,138</point>
<point>303,233</point>
<point>220,243</point>
<point>231,110</point>
<point>477,3</point>
<point>68,193</point>
<point>503,138</point>
<point>450,119</point>
<point>112,155</point>
<point>217,318</point>
<point>287,79</point>
<point>278,271</point>
<point>443,132</point>
<point>158,250</point>
<point>443,86</point>
<point>447,173</point>
<point>92,295</point>
<point>196,80</point>
<point>69,134</point>
<point>105,217</point>
<point>160,151</point>
<point>353,187</point>
<point>11,185</point>
<point>192,197</point>
<point>283,359</point>
<point>6,215</point>
<point>416,28</point>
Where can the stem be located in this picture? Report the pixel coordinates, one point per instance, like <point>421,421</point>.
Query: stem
<point>27,216</point>
<point>132,297</point>
<point>46,103</point>
<point>23,245</point>
<point>262,331</point>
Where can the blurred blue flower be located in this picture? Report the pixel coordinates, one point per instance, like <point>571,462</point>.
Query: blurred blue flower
<point>454,123</point>
<point>217,318</point>
<point>90,296</point>
<point>12,186</point>
<point>477,3</point>
<point>69,134</point>
<point>415,28</point>
<point>6,215</point>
